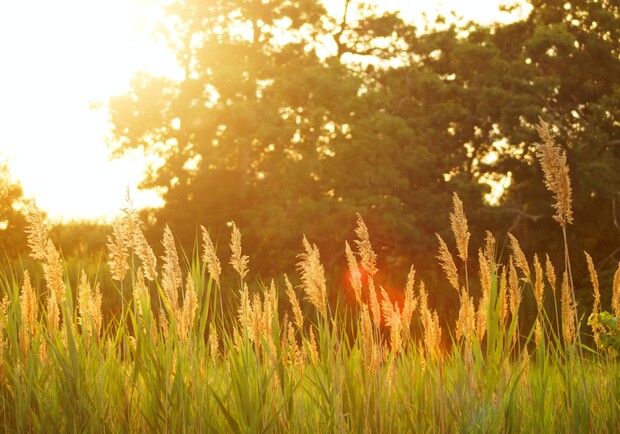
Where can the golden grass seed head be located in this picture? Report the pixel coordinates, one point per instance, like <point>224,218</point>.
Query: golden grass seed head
<point>292,296</point>
<point>538,332</point>
<point>190,305</point>
<point>568,311</point>
<point>37,232</point>
<point>313,277</point>
<point>595,284</point>
<point>550,273</point>
<point>458,223</point>
<point>481,316</point>
<point>466,324</point>
<point>447,263</point>
<point>238,261</point>
<point>313,349</point>
<point>489,248</point>
<point>514,289</point>
<point>355,275</point>
<point>209,256</point>
<point>146,255</point>
<point>519,256</point>
<point>375,307</point>
<point>213,344</point>
<point>53,312</point>
<point>556,172</point>
<point>539,284</point>
<point>28,302</point>
<point>485,273</point>
<point>409,305</point>
<point>367,338</point>
<point>364,248</point>
<point>118,252</point>
<point>172,279</point>
<point>503,294</point>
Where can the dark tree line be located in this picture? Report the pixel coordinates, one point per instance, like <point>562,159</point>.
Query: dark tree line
<point>290,121</point>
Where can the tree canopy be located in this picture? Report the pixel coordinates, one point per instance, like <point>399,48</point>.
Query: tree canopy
<point>289,121</point>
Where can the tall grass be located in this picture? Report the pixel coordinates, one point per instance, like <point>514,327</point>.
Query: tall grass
<point>175,360</point>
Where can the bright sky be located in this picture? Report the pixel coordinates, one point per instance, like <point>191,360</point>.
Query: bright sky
<point>58,58</point>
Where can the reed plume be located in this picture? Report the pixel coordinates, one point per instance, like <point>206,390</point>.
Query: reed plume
<point>172,279</point>
<point>550,273</point>
<point>238,261</point>
<point>519,257</point>
<point>188,313</point>
<point>364,248</point>
<point>568,312</point>
<point>596,329</point>
<point>557,180</point>
<point>209,256</point>
<point>28,303</point>
<point>409,306</point>
<point>539,284</point>
<point>90,318</point>
<point>118,251</point>
<point>355,276</point>
<point>292,296</point>
<point>458,223</point>
<point>447,264</point>
<point>313,277</point>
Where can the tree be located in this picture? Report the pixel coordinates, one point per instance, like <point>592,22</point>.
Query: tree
<point>12,217</point>
<point>246,134</point>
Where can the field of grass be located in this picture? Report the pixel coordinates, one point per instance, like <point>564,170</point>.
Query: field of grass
<point>176,361</point>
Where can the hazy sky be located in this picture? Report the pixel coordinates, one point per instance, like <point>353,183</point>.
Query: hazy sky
<point>58,58</point>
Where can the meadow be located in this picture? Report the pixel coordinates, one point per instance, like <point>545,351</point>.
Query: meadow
<point>285,360</point>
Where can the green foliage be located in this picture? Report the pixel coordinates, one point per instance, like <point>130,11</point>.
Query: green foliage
<point>610,337</point>
<point>12,217</point>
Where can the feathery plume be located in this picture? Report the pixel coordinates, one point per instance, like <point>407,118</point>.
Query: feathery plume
<point>38,237</point>
<point>409,306</point>
<point>28,304</point>
<point>375,307</point>
<point>595,284</point>
<point>118,251</point>
<point>481,316</point>
<point>355,275</point>
<point>213,344</point>
<point>172,279</point>
<point>292,296</point>
<point>237,260</point>
<point>514,290</point>
<point>364,248</point>
<point>489,248</point>
<point>209,256</point>
<point>313,277</point>
<point>550,273</point>
<point>519,256</point>
<point>503,293</point>
<point>447,263</point>
<point>485,273</point>
<point>190,304</point>
<point>539,284</point>
<point>557,180</point>
<point>568,311</point>
<point>370,357</point>
<point>466,324</point>
<point>458,223</point>
<point>89,309</point>
<point>146,255</point>
<point>312,347</point>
